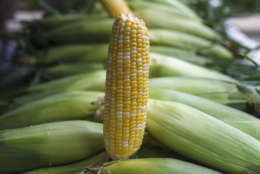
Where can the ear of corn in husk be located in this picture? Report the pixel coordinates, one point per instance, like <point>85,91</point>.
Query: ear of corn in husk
<point>76,52</point>
<point>162,65</point>
<point>236,118</point>
<point>80,32</point>
<point>154,166</point>
<point>250,127</point>
<point>74,167</point>
<point>215,90</point>
<point>228,149</point>
<point>219,111</point>
<point>137,5</point>
<point>94,81</point>
<point>189,43</point>
<point>72,69</point>
<point>180,6</point>
<point>157,19</point>
<point>181,54</point>
<point>48,144</point>
<point>56,21</point>
<point>61,107</point>
<point>126,93</point>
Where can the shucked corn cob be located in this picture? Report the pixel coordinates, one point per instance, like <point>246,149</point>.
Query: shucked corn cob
<point>126,87</point>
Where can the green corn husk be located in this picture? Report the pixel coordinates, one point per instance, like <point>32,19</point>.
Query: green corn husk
<point>98,53</point>
<point>48,144</point>
<point>96,81</point>
<point>207,140</point>
<point>72,69</point>
<point>154,166</point>
<point>236,118</point>
<point>180,6</point>
<point>88,81</point>
<point>188,42</point>
<point>181,54</point>
<point>73,82</point>
<point>162,20</point>
<point>53,22</point>
<point>215,90</point>
<point>74,53</point>
<point>81,32</point>
<point>219,111</point>
<point>250,127</point>
<point>136,5</point>
<point>61,107</point>
<point>74,167</point>
<point>162,65</point>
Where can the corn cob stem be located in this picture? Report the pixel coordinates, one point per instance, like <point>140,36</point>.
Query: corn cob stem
<point>115,8</point>
<point>126,87</point>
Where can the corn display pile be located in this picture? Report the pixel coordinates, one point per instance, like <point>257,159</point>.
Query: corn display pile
<point>131,87</point>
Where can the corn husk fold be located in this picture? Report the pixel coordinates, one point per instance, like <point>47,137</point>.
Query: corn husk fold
<point>207,140</point>
<point>68,106</point>
<point>48,144</point>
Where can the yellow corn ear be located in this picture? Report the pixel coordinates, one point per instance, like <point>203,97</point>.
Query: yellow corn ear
<point>126,87</point>
<point>115,8</point>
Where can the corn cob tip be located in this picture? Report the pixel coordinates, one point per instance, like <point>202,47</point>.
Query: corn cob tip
<point>126,87</point>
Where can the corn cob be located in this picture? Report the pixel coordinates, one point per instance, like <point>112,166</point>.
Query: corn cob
<point>115,8</point>
<point>72,53</point>
<point>207,140</point>
<point>74,167</point>
<point>128,72</point>
<point>72,69</point>
<point>211,89</point>
<point>68,106</point>
<point>189,42</point>
<point>160,20</point>
<point>48,144</point>
<point>169,66</point>
<point>182,54</point>
<point>154,166</point>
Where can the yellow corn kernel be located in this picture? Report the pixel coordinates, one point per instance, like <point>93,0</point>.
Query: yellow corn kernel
<point>126,87</point>
<point>115,8</point>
